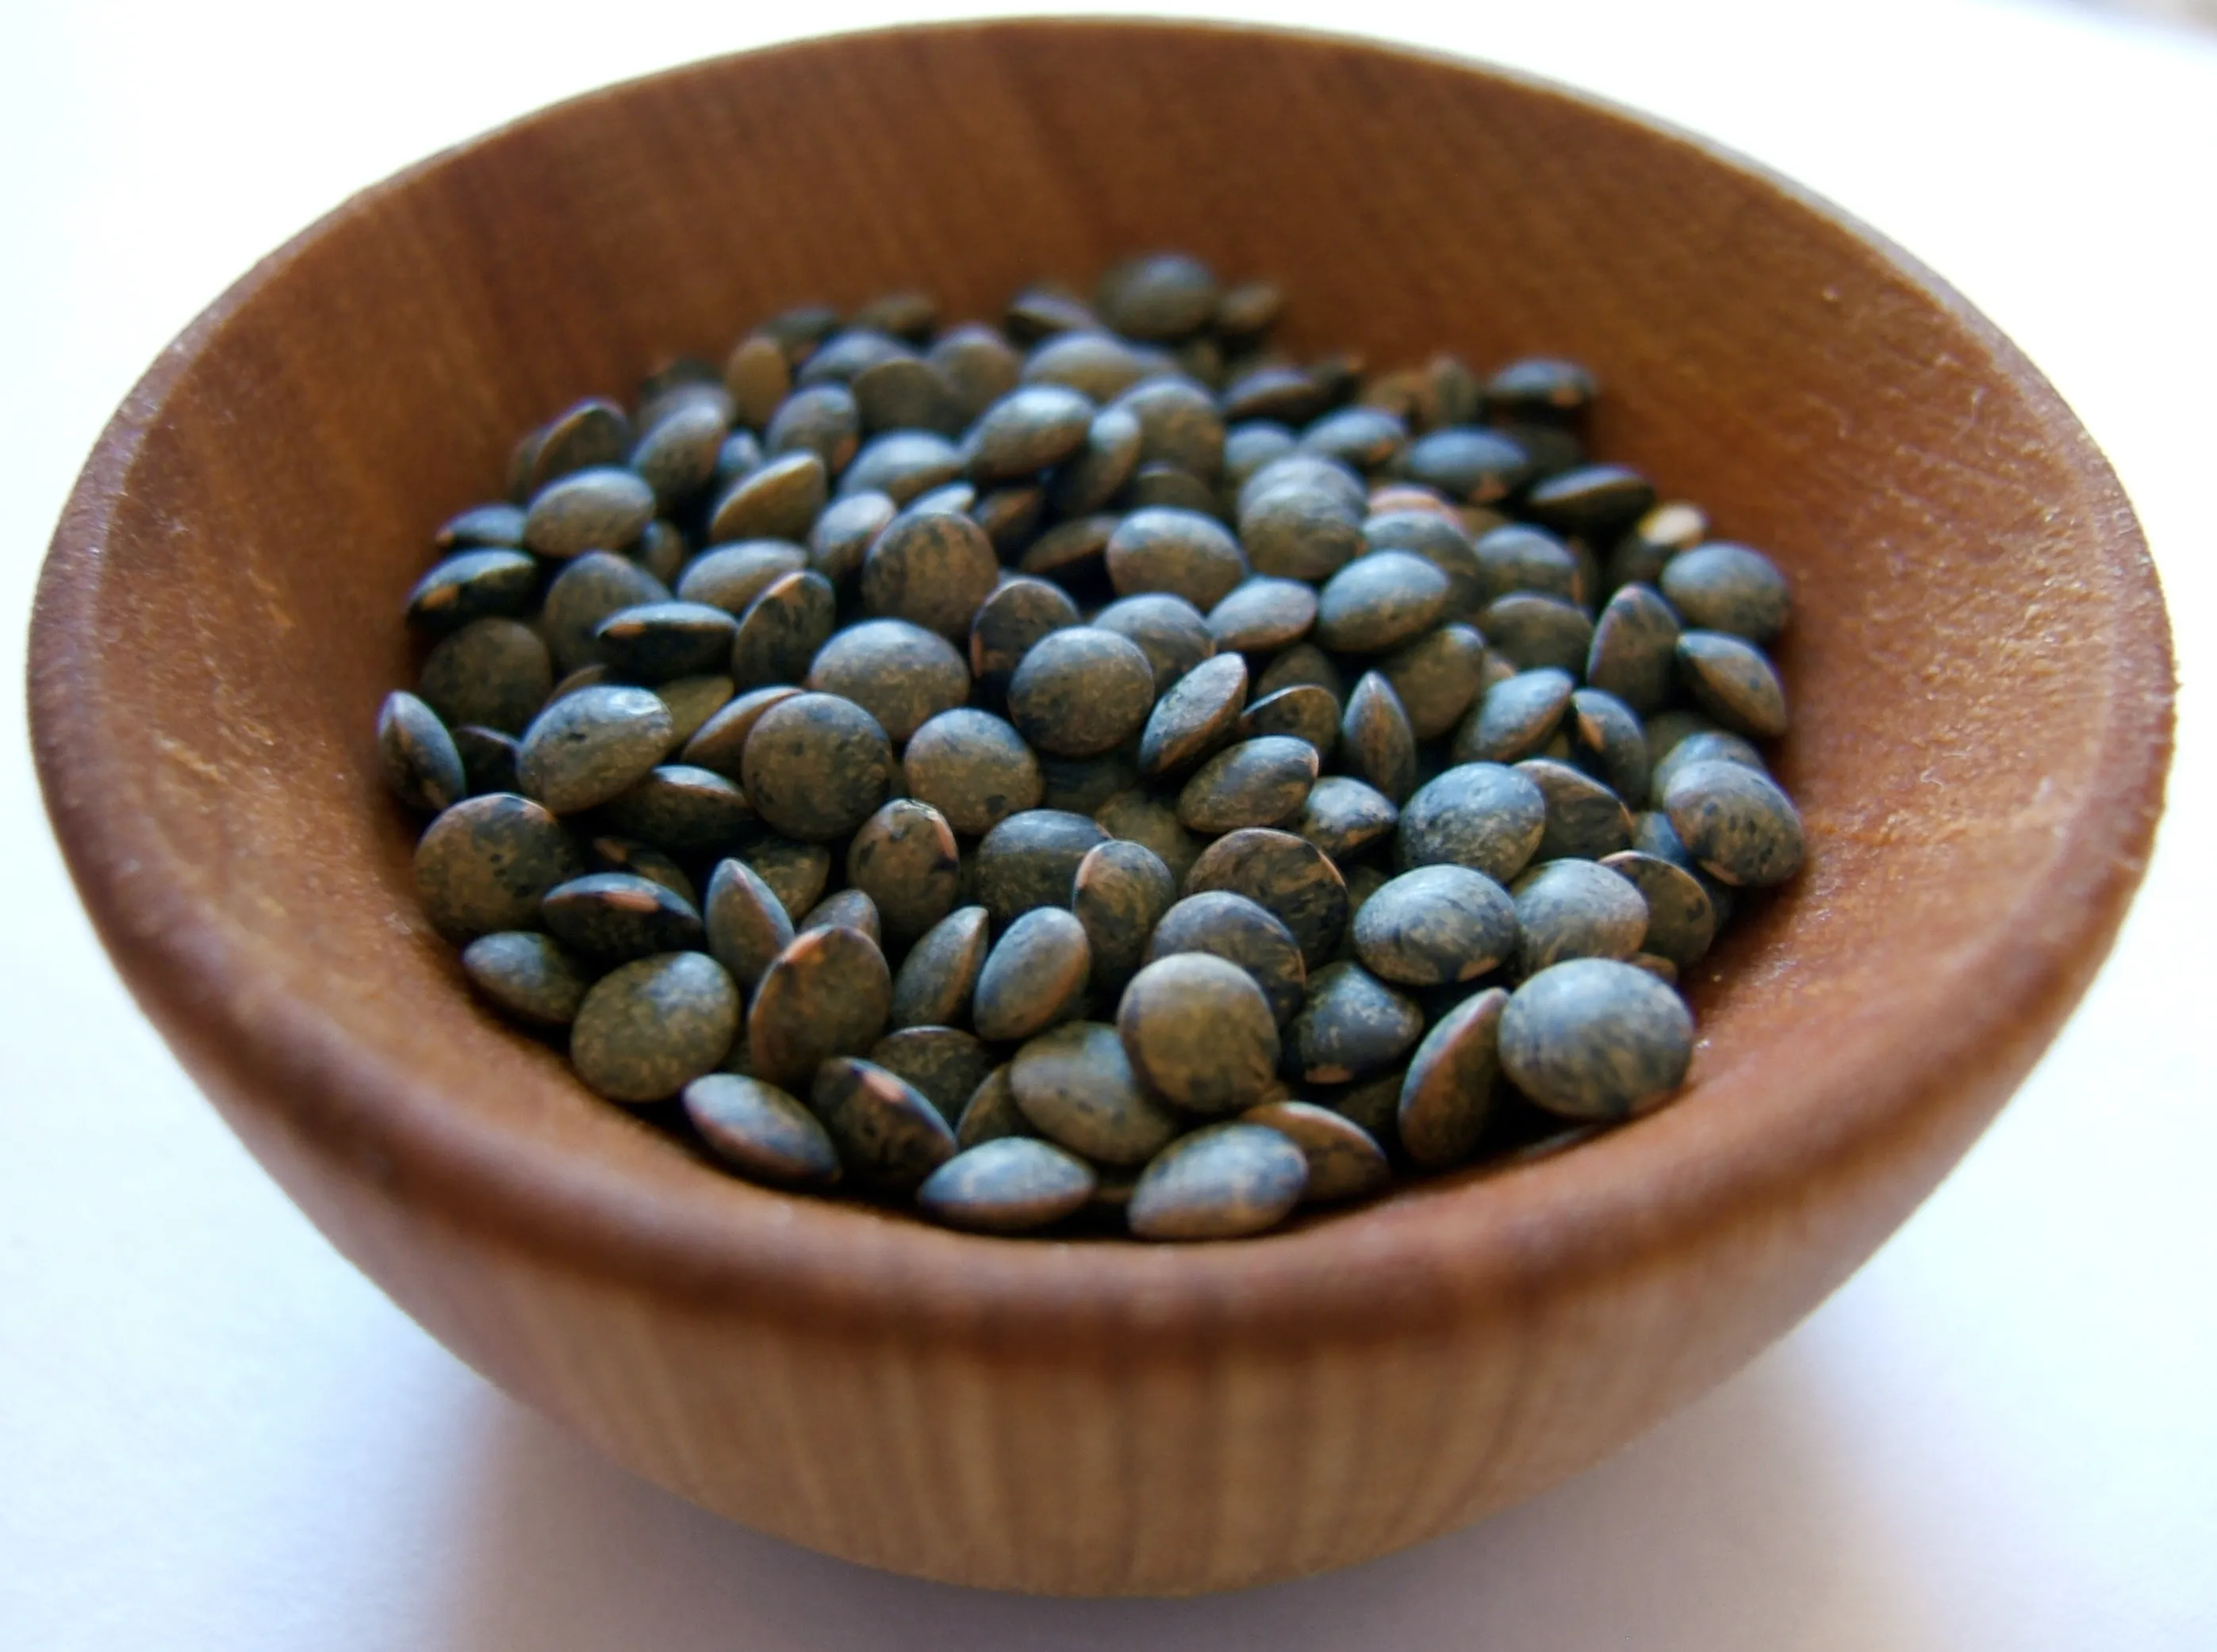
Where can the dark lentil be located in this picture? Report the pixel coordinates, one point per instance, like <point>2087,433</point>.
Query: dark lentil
<point>1531,631</point>
<point>1735,822</point>
<point>845,909</point>
<point>842,535</point>
<point>1514,717</point>
<point>815,766</point>
<point>973,768</point>
<point>495,672</point>
<point>1195,717</point>
<point>731,576</point>
<point>1160,296</point>
<point>886,1132</point>
<point>589,590</point>
<point>1300,527</point>
<point>692,701</point>
<point>1081,691</point>
<point>1221,1182</point>
<point>1179,426</point>
<point>1477,814</point>
<point>1076,1087</point>
<point>1168,629</point>
<point>1343,817</point>
<point>931,569</point>
<point>1447,1098</point>
<point>598,509</point>
<point>1345,1160</point>
<point>901,674</point>
<point>1140,818</point>
<point>676,457</point>
<point>590,746</point>
<point>943,1064</point>
<point>1680,920</point>
<point>1078,786</point>
<point>1304,711</point>
<point>1030,430</point>
<point>1731,681</point>
<point>1584,820</point>
<point>1018,612</point>
<point>720,742</point>
<point>590,433</point>
<point>746,924</point>
<point>991,1113</point>
<point>1097,365</point>
<point>1030,859</point>
<point>610,917</point>
<point>904,859</point>
<point>422,765</point>
<point>1468,464</point>
<point>481,525</point>
<point>1576,909</point>
<point>1376,743</point>
<point>977,365</point>
<point>1728,588</point>
<point>1180,552</point>
<point>474,585</point>
<point>827,994</point>
<point>1367,438</point>
<point>1634,645</point>
<point>1434,925</point>
<point>761,1132</point>
<point>650,1027</point>
<point>1033,976</point>
<point>796,873</point>
<point>779,500</point>
<point>910,397</point>
<point>1352,1025</point>
<point>527,976</point>
<point>1120,894</point>
<point>940,974</point>
<point>1264,613</point>
<point>1436,678</point>
<point>1010,1185</point>
<point>1287,876</point>
<point>1380,601</point>
<point>488,758</point>
<point>782,630</point>
<point>1198,1031</point>
<point>1258,782</point>
<point>1593,1038</point>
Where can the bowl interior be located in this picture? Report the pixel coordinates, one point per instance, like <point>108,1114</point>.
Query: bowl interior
<point>1977,665</point>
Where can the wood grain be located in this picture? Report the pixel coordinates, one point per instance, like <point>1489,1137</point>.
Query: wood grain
<point>1981,667</point>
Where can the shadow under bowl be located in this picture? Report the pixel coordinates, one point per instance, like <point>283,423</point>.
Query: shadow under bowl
<point>1980,669</point>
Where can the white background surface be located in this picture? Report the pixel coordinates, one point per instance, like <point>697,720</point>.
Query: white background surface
<point>2003,1433</point>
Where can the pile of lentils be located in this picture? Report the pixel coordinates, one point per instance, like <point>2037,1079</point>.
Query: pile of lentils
<point>1094,770</point>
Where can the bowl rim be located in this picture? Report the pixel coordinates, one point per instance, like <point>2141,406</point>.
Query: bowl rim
<point>1386,1268</point>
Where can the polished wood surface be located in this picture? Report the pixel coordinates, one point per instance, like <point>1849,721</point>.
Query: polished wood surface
<point>1980,669</point>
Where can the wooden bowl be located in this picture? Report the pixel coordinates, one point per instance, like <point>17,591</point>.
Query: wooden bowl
<point>1981,667</point>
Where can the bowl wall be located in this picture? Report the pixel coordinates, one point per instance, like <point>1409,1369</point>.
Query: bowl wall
<point>1980,669</point>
